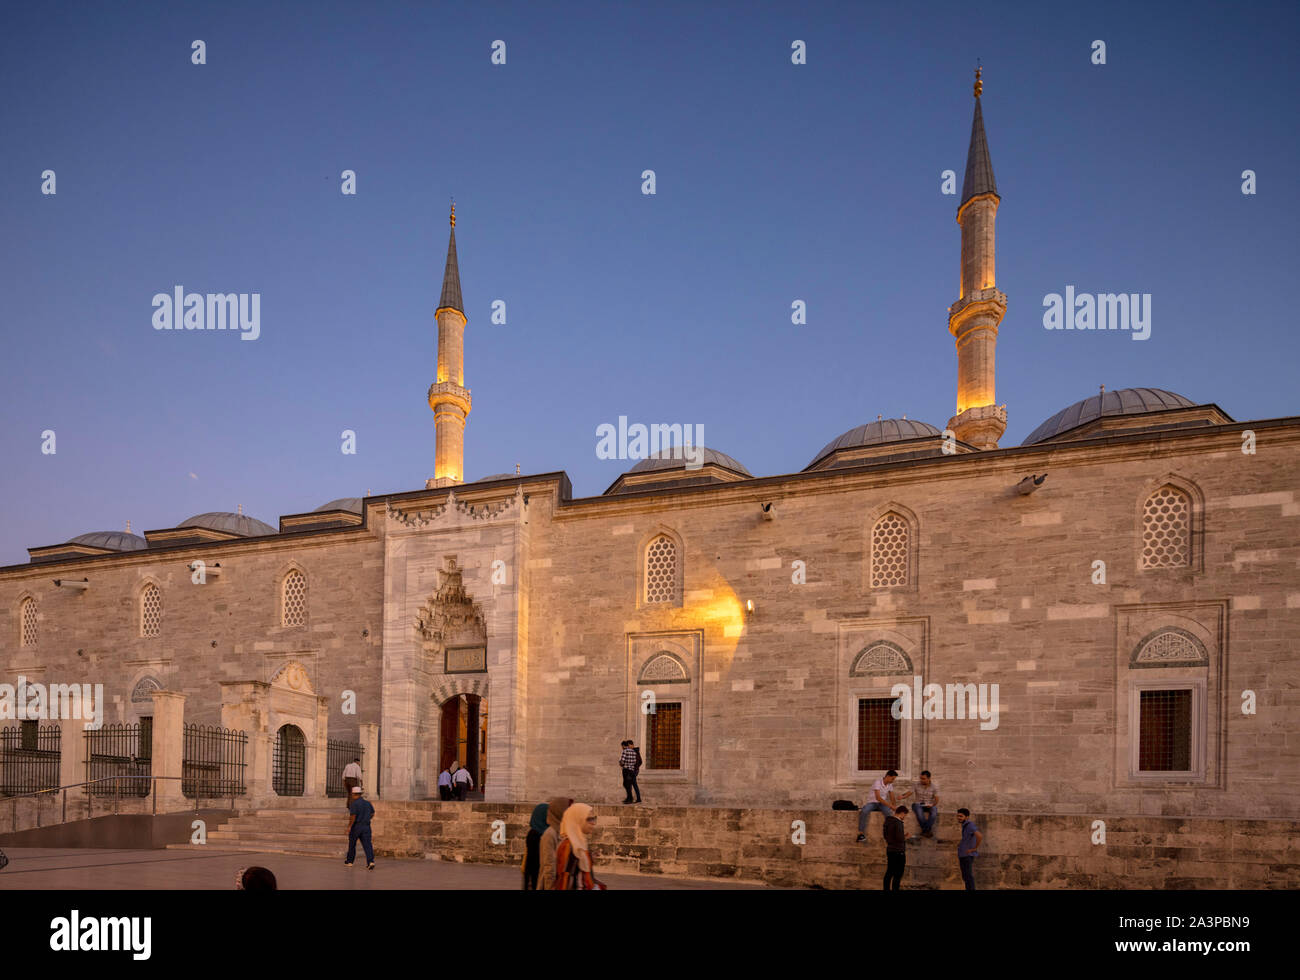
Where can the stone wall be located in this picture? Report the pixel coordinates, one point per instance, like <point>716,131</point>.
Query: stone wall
<point>1019,851</point>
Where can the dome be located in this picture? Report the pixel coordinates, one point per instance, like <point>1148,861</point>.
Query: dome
<point>222,520</point>
<point>343,503</point>
<point>1126,401</point>
<point>877,434</point>
<point>672,458</point>
<point>112,540</point>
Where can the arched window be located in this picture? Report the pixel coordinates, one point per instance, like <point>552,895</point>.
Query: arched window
<point>890,545</point>
<point>661,570</point>
<point>27,621</point>
<point>1167,529</point>
<point>295,599</point>
<point>150,610</point>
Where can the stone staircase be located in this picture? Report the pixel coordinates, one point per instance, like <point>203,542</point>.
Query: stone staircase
<point>318,831</point>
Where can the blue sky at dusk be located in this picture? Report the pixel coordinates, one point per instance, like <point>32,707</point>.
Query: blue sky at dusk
<point>775,182</point>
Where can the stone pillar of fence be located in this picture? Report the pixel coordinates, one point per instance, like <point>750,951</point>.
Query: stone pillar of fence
<point>318,751</point>
<point>72,754</point>
<point>369,739</point>
<point>245,708</point>
<point>168,748</point>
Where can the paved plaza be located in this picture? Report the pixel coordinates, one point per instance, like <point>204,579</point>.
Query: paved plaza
<point>91,869</point>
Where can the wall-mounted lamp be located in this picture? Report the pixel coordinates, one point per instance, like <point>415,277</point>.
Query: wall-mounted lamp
<point>749,607</point>
<point>209,571</point>
<point>75,584</point>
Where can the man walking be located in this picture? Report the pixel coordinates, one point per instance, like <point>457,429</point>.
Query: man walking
<point>629,762</point>
<point>882,799</point>
<point>926,807</point>
<point>968,848</point>
<point>463,782</point>
<point>895,848</point>
<point>359,829</point>
<point>444,783</point>
<point>351,778</point>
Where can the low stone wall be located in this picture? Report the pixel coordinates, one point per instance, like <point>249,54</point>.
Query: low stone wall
<point>1020,850</point>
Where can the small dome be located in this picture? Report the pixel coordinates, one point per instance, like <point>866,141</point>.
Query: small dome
<point>223,520</point>
<point>877,434</point>
<point>672,459</point>
<point>112,540</point>
<point>343,503</point>
<point>1126,401</point>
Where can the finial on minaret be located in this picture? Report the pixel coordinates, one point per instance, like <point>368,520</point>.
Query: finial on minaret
<point>128,527</point>
<point>453,212</point>
<point>516,469</point>
<point>239,509</point>
<point>979,86</point>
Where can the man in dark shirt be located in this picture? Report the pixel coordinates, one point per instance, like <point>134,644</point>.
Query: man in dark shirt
<point>895,848</point>
<point>968,848</point>
<point>359,829</point>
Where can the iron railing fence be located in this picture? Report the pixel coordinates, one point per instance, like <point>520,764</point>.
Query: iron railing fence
<point>29,758</point>
<point>212,762</point>
<point>120,750</point>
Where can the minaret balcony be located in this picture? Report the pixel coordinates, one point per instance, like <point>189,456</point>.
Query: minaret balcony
<point>989,302</point>
<point>449,393</point>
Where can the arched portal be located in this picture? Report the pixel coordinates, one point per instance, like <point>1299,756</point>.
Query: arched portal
<point>289,766</point>
<point>463,736</point>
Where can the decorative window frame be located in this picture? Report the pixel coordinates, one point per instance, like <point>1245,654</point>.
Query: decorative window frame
<point>685,648</point>
<point>25,597</point>
<point>1195,529</point>
<point>141,589</point>
<point>1202,659</point>
<point>1198,772</point>
<point>643,547</point>
<point>873,518</point>
<point>906,635</point>
<point>281,581</point>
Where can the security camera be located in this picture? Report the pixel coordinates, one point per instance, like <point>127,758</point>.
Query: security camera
<point>769,513</point>
<point>77,585</point>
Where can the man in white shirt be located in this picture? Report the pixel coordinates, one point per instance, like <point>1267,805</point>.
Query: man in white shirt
<point>351,777</point>
<point>444,783</point>
<point>882,799</point>
<point>463,782</point>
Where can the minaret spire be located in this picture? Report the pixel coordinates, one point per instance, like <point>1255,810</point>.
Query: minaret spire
<point>973,320</point>
<point>448,396</point>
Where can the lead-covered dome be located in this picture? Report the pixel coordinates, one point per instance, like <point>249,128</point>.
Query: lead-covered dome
<point>111,540</point>
<point>671,459</point>
<point>342,503</point>
<point>878,433</point>
<point>1125,401</point>
<point>221,520</point>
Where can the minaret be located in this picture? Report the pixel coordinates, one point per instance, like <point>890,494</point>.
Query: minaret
<point>973,320</point>
<point>448,396</point>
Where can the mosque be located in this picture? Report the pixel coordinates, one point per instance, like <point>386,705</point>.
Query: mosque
<point>1123,588</point>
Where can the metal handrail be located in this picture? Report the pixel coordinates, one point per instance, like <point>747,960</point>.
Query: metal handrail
<point>90,798</point>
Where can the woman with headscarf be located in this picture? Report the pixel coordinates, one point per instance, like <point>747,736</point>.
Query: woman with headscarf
<point>574,866</point>
<point>536,827</point>
<point>551,839</point>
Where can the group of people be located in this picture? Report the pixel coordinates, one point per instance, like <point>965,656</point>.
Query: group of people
<point>926,811</point>
<point>557,850</point>
<point>454,782</point>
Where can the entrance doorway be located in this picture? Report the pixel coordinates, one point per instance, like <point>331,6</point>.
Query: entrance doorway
<point>289,765</point>
<point>464,737</point>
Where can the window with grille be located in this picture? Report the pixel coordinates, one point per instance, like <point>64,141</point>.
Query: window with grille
<point>1165,731</point>
<point>1166,529</point>
<point>661,570</point>
<point>150,611</point>
<point>889,544</point>
<point>28,620</point>
<point>295,599</point>
<point>664,739</point>
<point>879,735</point>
